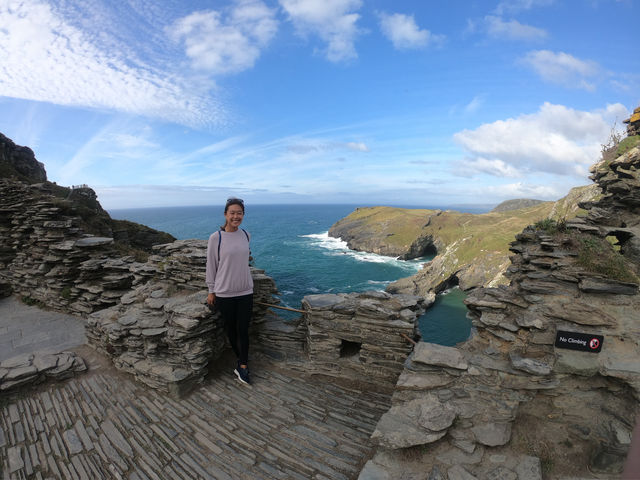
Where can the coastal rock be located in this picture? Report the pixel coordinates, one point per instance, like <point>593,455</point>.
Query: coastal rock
<point>433,354</point>
<point>513,387</point>
<point>417,422</point>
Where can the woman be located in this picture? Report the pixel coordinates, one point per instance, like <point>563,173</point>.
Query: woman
<point>230,283</point>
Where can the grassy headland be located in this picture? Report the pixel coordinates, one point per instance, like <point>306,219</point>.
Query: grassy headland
<point>471,250</point>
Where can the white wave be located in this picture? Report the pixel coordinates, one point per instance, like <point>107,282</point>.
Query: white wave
<point>378,282</point>
<point>337,246</point>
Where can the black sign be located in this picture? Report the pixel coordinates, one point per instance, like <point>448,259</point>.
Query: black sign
<point>584,342</point>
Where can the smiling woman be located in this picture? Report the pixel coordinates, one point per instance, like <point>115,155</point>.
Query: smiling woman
<point>230,283</point>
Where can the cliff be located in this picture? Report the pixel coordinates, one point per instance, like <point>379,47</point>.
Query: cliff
<point>549,384</point>
<point>470,250</point>
<point>24,184</point>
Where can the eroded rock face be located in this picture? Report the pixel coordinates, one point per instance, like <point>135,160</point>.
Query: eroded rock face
<point>20,162</point>
<point>511,389</point>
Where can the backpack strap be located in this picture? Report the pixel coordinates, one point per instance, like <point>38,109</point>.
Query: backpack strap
<point>220,240</point>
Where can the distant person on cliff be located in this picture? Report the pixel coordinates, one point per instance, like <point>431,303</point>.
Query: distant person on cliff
<point>230,283</point>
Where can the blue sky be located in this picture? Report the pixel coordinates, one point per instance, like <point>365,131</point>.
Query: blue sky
<point>415,102</point>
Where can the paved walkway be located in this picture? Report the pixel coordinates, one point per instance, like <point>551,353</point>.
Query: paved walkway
<point>102,425</point>
<point>25,329</point>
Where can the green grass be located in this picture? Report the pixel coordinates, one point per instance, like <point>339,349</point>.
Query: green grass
<point>627,144</point>
<point>551,226</point>
<point>597,255</point>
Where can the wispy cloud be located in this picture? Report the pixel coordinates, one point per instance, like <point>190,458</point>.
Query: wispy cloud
<point>404,33</point>
<point>334,21</point>
<point>513,6</point>
<point>523,190</point>
<point>46,58</point>
<point>556,139</point>
<point>226,42</point>
<point>563,68</point>
<point>498,28</point>
<point>474,105</point>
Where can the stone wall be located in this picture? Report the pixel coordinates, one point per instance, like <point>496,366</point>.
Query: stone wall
<point>162,331</point>
<point>358,336</point>
<point>47,257</point>
<point>514,402</point>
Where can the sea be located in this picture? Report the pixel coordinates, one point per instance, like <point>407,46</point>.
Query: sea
<point>291,243</point>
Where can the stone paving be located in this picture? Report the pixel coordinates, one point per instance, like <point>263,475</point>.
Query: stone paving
<point>25,329</point>
<point>102,425</point>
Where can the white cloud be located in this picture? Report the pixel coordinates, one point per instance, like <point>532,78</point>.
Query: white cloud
<point>357,146</point>
<point>562,68</point>
<point>46,58</point>
<point>495,167</point>
<point>332,20</point>
<point>404,33</point>
<point>474,104</point>
<point>556,139</point>
<point>496,27</point>
<point>522,190</point>
<point>312,146</point>
<point>226,44</point>
<point>511,6</point>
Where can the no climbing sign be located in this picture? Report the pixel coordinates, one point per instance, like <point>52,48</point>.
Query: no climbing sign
<point>584,342</point>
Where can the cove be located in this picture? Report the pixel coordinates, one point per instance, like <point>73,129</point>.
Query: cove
<point>446,322</point>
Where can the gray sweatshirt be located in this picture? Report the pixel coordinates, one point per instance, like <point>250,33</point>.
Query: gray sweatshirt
<point>229,275</point>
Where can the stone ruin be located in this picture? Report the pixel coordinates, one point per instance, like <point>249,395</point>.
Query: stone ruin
<point>162,331</point>
<point>360,336</point>
<point>470,412</point>
<point>150,317</point>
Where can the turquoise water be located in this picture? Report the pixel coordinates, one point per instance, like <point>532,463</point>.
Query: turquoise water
<point>291,243</point>
<point>446,323</point>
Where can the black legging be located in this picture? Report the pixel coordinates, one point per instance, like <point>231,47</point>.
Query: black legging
<point>236,313</point>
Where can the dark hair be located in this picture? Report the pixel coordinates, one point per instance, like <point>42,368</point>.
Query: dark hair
<point>234,201</point>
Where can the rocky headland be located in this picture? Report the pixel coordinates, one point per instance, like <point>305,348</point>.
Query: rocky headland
<point>469,250</point>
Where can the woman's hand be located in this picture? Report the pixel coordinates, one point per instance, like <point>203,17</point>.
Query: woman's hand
<point>211,299</point>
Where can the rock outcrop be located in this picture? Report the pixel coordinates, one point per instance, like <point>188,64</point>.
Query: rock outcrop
<point>633,123</point>
<point>549,384</point>
<point>19,162</point>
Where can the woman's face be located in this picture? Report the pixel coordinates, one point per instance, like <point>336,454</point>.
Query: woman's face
<point>234,216</point>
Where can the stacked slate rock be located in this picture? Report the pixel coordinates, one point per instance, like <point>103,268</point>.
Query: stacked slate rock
<point>162,332</point>
<point>46,257</point>
<point>33,369</point>
<point>358,336</point>
<point>633,123</point>
<point>511,400</point>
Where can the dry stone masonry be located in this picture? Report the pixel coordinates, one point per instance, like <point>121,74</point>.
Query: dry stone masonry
<point>162,331</point>
<point>529,396</point>
<point>358,336</point>
<point>47,257</point>
<point>32,369</point>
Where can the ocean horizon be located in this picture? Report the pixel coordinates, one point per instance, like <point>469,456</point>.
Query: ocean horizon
<point>291,243</point>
